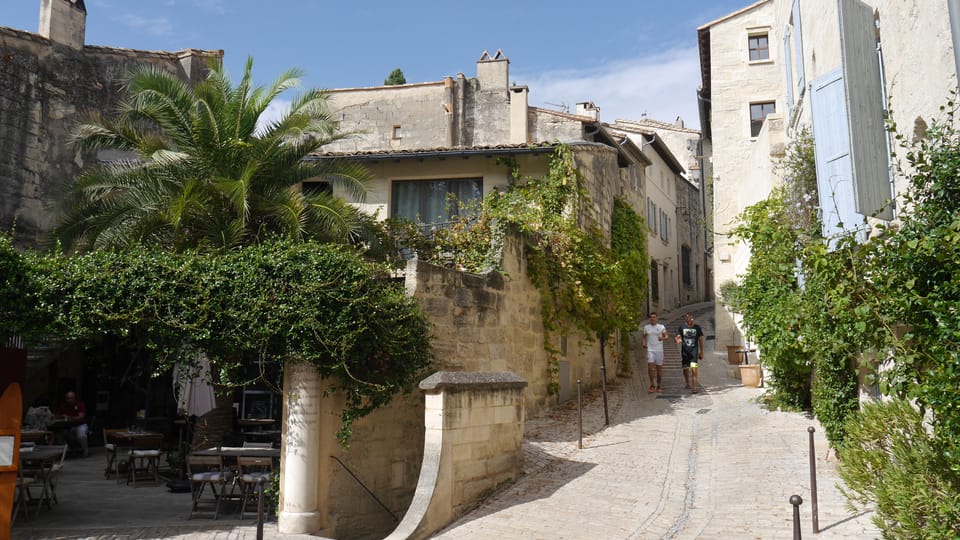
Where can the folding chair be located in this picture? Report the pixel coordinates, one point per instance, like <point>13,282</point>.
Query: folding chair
<point>145,459</point>
<point>22,494</point>
<point>204,471</point>
<point>252,471</point>
<point>110,443</point>
<point>53,476</point>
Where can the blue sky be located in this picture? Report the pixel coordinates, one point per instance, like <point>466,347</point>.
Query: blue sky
<point>631,57</point>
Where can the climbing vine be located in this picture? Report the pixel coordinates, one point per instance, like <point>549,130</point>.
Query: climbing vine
<point>280,300</point>
<point>585,283</point>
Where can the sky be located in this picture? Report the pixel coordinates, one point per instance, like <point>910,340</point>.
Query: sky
<point>632,58</point>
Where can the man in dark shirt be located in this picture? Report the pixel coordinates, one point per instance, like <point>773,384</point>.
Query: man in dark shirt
<point>690,339</point>
<point>74,411</point>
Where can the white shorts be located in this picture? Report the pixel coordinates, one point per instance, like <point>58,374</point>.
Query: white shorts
<point>655,357</point>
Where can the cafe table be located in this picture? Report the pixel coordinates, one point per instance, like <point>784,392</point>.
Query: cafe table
<point>236,451</point>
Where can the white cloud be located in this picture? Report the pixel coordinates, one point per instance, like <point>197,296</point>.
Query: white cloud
<point>276,109</point>
<point>662,86</point>
<point>158,26</point>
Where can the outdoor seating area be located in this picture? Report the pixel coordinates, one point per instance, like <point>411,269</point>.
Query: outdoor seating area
<point>56,492</point>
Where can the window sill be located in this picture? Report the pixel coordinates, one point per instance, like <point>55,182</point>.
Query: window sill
<point>760,62</point>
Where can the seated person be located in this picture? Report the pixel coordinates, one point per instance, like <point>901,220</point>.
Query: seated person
<point>74,411</point>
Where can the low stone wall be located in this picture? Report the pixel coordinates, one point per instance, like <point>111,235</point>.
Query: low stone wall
<point>473,443</point>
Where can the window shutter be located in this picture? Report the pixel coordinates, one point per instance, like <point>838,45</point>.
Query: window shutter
<point>788,70</point>
<point>798,46</point>
<point>831,136</point>
<point>865,106</point>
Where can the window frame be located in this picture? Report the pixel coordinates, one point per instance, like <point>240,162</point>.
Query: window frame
<point>423,195</point>
<point>759,123</point>
<point>758,35</point>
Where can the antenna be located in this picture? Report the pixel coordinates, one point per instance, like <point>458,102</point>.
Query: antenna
<point>562,106</point>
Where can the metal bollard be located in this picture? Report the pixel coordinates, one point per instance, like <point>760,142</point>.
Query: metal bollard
<point>260,509</point>
<point>580,415</point>
<point>813,484</point>
<point>796,501</point>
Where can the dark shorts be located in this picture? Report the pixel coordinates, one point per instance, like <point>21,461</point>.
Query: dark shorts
<point>685,360</point>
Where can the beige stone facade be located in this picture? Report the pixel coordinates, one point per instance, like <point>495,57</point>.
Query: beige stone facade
<point>833,66</point>
<point>50,80</point>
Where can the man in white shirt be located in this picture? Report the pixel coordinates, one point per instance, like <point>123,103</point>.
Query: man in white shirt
<point>653,335</point>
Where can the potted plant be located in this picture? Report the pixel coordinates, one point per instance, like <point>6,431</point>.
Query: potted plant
<point>729,297</point>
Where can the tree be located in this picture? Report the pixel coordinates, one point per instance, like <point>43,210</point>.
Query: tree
<point>209,170</point>
<point>395,77</point>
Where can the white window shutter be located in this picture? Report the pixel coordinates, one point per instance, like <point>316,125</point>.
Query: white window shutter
<point>798,46</point>
<point>865,108</point>
<point>788,70</point>
<point>831,136</point>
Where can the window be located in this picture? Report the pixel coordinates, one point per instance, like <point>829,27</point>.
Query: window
<point>664,226</point>
<point>433,201</point>
<point>759,46</point>
<point>654,281</point>
<point>651,215</point>
<point>397,132</point>
<point>758,113</point>
<point>685,265</point>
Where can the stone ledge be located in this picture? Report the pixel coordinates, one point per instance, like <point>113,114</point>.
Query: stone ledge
<point>472,380</point>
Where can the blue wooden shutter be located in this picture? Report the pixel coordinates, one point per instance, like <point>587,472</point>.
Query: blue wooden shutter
<point>831,135</point>
<point>798,46</point>
<point>865,107</point>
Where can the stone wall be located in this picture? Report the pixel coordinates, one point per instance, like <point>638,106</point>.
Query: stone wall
<point>473,443</point>
<point>45,88</point>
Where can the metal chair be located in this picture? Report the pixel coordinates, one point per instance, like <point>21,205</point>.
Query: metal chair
<point>252,471</point>
<point>53,476</point>
<point>110,443</point>
<point>204,471</point>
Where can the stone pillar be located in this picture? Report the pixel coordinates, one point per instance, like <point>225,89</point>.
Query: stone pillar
<point>300,511</point>
<point>473,443</point>
<point>64,21</point>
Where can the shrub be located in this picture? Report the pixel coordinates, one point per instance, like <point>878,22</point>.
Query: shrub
<point>889,458</point>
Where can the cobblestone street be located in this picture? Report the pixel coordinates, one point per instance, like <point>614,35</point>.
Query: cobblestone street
<point>671,465</point>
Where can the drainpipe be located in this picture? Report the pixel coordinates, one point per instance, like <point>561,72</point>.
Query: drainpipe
<point>954,8</point>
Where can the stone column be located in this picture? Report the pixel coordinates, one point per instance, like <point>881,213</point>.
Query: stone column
<point>300,511</point>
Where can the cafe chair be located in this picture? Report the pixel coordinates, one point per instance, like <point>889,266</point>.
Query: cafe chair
<point>204,471</point>
<point>39,470</point>
<point>53,476</point>
<point>110,443</point>
<point>144,462</point>
<point>251,471</point>
<point>23,495</point>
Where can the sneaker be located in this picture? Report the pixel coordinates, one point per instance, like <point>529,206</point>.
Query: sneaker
<point>659,390</point>
<point>651,389</point>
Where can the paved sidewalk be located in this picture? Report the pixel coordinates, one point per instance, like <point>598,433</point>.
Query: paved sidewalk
<point>678,465</point>
<point>670,465</point>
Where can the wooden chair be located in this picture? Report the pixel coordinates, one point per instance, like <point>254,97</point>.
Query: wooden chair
<point>110,443</point>
<point>23,496</point>
<point>251,471</point>
<point>204,471</point>
<point>145,459</point>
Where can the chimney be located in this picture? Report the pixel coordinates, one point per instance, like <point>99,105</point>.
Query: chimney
<point>588,108</point>
<point>493,72</point>
<point>64,22</point>
<point>518,114</point>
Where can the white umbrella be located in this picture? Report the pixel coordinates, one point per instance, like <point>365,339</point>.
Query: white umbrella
<point>196,396</point>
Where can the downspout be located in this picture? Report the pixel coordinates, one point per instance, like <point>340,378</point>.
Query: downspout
<point>954,8</point>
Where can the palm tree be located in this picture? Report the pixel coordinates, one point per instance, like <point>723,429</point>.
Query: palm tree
<point>204,173</point>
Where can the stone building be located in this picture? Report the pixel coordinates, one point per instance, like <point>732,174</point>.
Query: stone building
<point>837,67</point>
<point>423,142</point>
<point>679,243</point>
<point>48,81</point>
